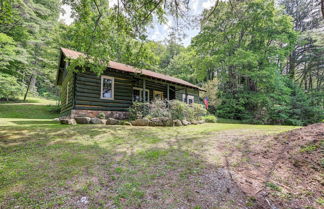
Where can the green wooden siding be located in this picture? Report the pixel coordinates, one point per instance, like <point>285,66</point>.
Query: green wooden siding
<point>88,89</point>
<point>67,93</point>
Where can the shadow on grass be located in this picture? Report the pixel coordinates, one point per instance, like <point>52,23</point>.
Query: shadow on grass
<point>36,122</point>
<point>112,166</point>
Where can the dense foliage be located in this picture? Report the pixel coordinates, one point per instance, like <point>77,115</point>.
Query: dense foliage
<point>249,44</point>
<point>173,109</point>
<point>27,51</point>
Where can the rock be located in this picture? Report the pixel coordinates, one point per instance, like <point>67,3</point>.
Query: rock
<point>97,121</point>
<point>82,120</point>
<point>67,121</point>
<point>156,122</point>
<point>124,123</point>
<point>112,121</point>
<point>177,123</point>
<point>201,121</point>
<point>193,122</point>
<point>166,121</point>
<point>56,119</point>
<point>84,200</point>
<point>141,122</point>
<point>185,122</point>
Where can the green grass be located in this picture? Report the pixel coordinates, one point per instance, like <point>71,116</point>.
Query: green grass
<point>309,148</point>
<point>36,112</point>
<point>44,164</point>
<point>273,186</point>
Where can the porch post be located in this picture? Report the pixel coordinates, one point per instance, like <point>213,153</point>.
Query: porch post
<point>186,95</point>
<point>144,86</point>
<point>168,92</point>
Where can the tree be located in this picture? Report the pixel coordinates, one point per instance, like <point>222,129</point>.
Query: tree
<point>30,25</point>
<point>98,26</point>
<point>306,16</point>
<point>247,42</point>
<point>184,66</point>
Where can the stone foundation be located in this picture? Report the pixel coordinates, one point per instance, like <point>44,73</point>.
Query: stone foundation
<point>94,113</point>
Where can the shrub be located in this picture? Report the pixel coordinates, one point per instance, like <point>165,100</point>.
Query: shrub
<point>138,110</point>
<point>10,88</point>
<point>198,111</point>
<point>175,110</point>
<point>158,108</point>
<point>101,115</point>
<point>55,109</point>
<point>178,109</point>
<point>210,119</point>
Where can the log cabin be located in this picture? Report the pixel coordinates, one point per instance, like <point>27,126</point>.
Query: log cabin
<point>114,91</point>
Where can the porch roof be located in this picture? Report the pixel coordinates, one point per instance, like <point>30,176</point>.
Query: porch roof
<point>127,68</point>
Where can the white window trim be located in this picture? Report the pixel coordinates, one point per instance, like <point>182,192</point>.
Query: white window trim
<point>188,97</point>
<point>141,93</point>
<point>67,93</point>
<point>158,92</point>
<point>112,87</point>
<point>183,98</point>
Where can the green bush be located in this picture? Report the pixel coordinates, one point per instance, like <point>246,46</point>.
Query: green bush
<point>178,109</point>
<point>55,109</point>
<point>198,111</point>
<point>158,108</point>
<point>101,115</point>
<point>210,119</point>
<point>9,87</point>
<point>175,109</point>
<point>138,110</point>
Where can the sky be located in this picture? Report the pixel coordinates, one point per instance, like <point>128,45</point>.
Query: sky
<point>158,32</point>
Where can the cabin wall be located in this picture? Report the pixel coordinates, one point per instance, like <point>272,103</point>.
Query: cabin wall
<point>88,87</point>
<point>154,86</point>
<point>190,91</point>
<point>85,89</point>
<point>67,93</point>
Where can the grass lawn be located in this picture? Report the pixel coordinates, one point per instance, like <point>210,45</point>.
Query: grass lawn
<point>44,164</point>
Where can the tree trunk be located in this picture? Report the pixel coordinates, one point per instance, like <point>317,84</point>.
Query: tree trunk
<point>28,87</point>
<point>292,65</point>
<point>322,7</point>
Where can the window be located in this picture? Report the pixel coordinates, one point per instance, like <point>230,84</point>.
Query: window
<point>158,95</point>
<point>138,95</point>
<point>107,87</point>
<point>190,99</point>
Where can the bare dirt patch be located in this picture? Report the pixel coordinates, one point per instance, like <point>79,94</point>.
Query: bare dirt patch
<point>282,171</point>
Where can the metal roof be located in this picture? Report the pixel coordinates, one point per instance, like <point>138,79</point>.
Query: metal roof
<point>127,68</point>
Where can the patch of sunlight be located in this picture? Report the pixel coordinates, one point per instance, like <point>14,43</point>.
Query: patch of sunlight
<point>26,122</point>
<point>35,100</point>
